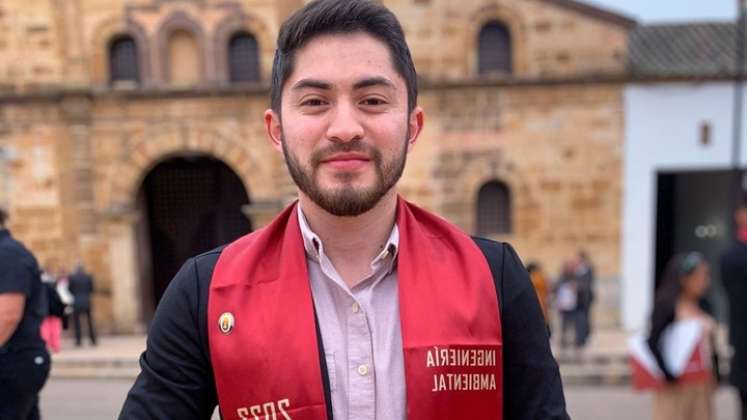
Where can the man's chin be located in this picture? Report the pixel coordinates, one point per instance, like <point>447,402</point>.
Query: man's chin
<point>348,202</point>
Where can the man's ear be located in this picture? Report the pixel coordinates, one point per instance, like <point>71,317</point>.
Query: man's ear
<point>274,129</point>
<point>414,126</point>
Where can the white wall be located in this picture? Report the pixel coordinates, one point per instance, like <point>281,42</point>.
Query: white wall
<point>662,132</point>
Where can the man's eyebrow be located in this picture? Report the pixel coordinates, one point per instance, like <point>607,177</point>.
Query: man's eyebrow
<point>312,83</point>
<point>373,81</point>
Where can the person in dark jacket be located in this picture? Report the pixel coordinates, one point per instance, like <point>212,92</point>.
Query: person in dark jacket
<point>734,278</point>
<point>81,287</point>
<point>24,361</point>
<point>585,299</point>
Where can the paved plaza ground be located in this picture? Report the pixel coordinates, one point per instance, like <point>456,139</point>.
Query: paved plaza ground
<point>101,399</point>
<point>92,382</point>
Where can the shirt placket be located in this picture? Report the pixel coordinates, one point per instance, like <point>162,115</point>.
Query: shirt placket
<point>361,369</point>
<point>361,387</point>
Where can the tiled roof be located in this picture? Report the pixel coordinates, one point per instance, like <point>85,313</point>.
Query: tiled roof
<point>695,50</point>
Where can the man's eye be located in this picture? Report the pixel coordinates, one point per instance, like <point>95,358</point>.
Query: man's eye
<point>312,102</point>
<point>373,101</point>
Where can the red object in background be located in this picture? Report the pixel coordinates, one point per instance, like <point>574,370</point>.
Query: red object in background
<point>685,351</point>
<point>51,330</point>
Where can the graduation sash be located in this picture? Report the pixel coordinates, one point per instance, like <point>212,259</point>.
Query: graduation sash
<point>262,332</point>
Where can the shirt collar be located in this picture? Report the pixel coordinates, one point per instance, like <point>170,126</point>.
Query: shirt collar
<point>314,247</point>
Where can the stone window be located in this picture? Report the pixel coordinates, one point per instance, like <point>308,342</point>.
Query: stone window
<point>494,209</point>
<point>185,63</point>
<point>123,63</point>
<point>243,58</point>
<point>494,49</point>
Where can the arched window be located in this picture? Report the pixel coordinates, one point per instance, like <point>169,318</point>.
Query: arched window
<point>185,63</point>
<point>494,209</point>
<point>494,49</point>
<point>123,63</point>
<point>243,58</point>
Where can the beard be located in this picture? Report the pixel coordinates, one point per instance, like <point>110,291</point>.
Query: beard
<point>346,199</point>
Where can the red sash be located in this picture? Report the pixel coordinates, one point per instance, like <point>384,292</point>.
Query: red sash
<point>262,335</point>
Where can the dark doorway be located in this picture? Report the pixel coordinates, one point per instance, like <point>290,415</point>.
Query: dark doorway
<point>192,205</point>
<point>693,214</point>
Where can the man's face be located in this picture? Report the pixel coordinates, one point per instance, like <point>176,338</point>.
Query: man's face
<point>345,130</point>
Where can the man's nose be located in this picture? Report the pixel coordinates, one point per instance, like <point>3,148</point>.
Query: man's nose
<point>345,125</point>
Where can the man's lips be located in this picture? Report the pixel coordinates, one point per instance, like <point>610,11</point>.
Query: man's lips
<point>347,160</point>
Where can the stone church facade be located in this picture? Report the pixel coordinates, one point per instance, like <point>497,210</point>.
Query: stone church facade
<point>107,106</point>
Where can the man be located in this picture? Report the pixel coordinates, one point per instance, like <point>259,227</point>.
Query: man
<point>24,361</point>
<point>585,299</point>
<point>352,303</point>
<point>734,277</point>
<point>81,287</point>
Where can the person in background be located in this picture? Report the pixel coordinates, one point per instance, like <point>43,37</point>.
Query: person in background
<point>81,287</point>
<point>734,278</point>
<point>24,360</point>
<point>51,327</point>
<point>584,299</point>
<point>677,298</point>
<point>63,289</point>
<point>566,302</point>
<point>541,287</point>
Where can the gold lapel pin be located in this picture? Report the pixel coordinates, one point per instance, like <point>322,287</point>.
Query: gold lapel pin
<point>226,322</point>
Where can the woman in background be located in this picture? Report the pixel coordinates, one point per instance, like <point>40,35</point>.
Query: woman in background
<point>685,281</point>
<point>541,287</point>
<point>566,302</point>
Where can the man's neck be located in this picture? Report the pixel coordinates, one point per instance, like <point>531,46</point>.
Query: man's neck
<point>351,243</point>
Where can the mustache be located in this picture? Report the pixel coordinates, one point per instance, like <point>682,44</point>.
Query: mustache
<point>356,146</point>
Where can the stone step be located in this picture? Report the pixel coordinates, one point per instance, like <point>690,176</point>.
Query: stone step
<point>592,371</point>
<point>95,367</point>
<point>94,372</point>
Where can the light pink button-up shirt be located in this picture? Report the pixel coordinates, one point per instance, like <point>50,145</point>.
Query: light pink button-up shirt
<point>361,333</point>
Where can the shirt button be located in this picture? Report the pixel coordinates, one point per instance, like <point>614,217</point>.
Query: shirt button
<point>356,308</point>
<point>363,370</point>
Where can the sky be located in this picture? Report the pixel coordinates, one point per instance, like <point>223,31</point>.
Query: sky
<point>654,11</point>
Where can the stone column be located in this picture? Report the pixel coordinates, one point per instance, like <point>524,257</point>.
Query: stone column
<point>125,298</point>
<point>77,112</point>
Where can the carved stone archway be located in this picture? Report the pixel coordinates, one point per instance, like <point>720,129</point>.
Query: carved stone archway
<point>242,22</point>
<point>121,217</point>
<point>102,37</point>
<point>514,21</point>
<point>182,21</point>
<point>465,175</point>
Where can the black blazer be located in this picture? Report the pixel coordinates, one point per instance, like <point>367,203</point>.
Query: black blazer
<point>176,381</point>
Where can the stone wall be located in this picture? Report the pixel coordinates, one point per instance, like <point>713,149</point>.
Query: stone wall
<point>76,150</point>
<point>549,41</point>
<point>558,149</point>
<point>70,39</point>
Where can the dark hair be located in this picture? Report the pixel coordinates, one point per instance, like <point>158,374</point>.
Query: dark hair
<point>3,216</point>
<point>533,266</point>
<point>324,17</point>
<point>665,301</point>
